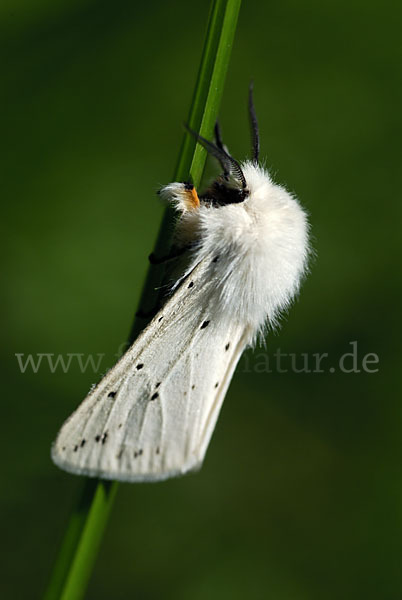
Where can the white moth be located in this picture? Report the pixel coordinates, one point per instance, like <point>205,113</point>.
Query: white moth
<point>152,416</point>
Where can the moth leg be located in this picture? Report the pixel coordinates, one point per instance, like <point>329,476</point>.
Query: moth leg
<point>183,196</point>
<point>174,253</point>
<point>142,314</point>
<point>191,197</point>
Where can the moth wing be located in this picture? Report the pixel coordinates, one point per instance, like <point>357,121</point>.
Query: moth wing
<point>152,416</point>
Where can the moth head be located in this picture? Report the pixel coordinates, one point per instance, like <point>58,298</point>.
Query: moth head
<point>231,186</point>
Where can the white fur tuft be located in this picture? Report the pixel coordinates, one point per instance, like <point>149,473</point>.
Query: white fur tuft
<point>260,247</point>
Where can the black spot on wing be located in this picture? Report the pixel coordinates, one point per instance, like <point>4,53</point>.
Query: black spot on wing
<point>217,384</point>
<point>139,366</point>
<point>104,437</point>
<point>154,396</point>
<point>97,438</point>
<point>111,394</point>
<point>205,324</point>
<point>158,384</point>
<point>160,319</point>
<point>227,346</point>
<point>216,259</point>
<point>190,285</point>
<point>82,443</point>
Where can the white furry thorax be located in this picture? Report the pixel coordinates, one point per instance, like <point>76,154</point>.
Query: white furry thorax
<point>257,249</point>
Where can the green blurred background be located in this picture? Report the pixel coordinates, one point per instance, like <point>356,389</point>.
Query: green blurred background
<point>300,494</point>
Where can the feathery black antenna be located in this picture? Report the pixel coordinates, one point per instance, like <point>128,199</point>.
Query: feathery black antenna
<point>218,136</point>
<point>229,164</point>
<point>255,136</point>
<point>219,143</point>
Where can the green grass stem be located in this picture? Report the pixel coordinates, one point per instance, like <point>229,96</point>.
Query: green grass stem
<point>87,523</point>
